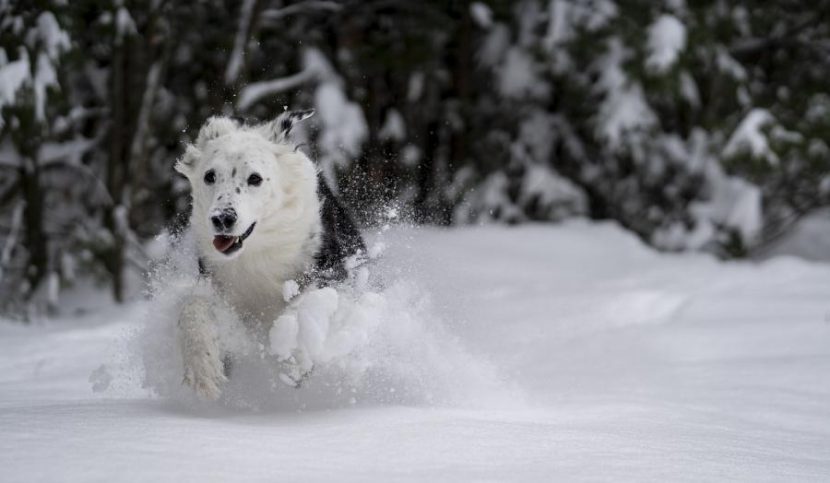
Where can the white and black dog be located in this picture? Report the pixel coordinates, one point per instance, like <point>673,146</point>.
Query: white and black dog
<point>262,215</point>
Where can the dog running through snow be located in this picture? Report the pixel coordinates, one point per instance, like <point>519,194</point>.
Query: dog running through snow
<point>262,215</point>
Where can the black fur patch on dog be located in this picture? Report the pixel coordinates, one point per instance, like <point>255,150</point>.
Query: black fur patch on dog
<point>340,238</point>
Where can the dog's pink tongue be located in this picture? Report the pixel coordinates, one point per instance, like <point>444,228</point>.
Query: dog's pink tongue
<point>222,243</point>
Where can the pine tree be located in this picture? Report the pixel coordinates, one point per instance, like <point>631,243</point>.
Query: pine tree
<point>32,44</point>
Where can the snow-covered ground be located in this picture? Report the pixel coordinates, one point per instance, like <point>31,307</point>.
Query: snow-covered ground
<point>566,352</point>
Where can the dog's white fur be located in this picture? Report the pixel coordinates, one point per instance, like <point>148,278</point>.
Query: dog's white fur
<point>286,210</point>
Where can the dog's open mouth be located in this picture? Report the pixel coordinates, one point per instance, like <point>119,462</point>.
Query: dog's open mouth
<point>229,245</point>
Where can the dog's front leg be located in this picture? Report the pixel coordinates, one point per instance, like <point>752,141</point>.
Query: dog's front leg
<point>201,353</point>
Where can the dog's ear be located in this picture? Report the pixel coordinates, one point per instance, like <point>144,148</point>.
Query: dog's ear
<point>279,129</point>
<point>187,162</point>
<point>213,128</point>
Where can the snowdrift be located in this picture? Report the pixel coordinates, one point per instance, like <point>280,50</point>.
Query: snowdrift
<point>532,353</point>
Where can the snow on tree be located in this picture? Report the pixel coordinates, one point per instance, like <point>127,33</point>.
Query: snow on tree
<point>698,126</point>
<point>666,40</point>
<point>32,42</point>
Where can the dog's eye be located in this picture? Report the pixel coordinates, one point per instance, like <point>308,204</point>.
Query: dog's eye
<point>254,180</point>
<point>210,177</point>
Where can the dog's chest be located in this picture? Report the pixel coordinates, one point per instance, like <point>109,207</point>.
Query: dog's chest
<point>253,291</point>
<point>253,283</point>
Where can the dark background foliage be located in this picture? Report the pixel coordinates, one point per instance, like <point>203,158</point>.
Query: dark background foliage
<point>451,111</point>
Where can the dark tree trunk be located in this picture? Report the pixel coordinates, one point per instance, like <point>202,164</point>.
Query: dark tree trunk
<point>118,140</point>
<point>35,240</point>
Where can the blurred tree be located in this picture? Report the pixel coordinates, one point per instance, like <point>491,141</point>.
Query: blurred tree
<point>697,125</point>
<point>32,43</point>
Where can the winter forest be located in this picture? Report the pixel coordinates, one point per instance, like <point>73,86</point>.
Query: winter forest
<point>591,240</point>
<point>695,125</point>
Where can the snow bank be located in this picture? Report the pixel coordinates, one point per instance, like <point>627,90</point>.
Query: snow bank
<point>809,239</point>
<point>633,365</point>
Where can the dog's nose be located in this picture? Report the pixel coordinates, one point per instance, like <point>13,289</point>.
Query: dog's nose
<point>224,220</point>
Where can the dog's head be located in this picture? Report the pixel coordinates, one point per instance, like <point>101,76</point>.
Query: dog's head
<point>242,177</point>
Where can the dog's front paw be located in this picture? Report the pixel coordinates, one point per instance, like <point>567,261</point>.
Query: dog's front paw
<point>205,375</point>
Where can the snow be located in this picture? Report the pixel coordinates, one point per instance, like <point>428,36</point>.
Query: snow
<point>236,59</point>
<point>567,16</point>
<point>344,127</point>
<point>394,127</point>
<point>728,65</point>
<point>729,205</point>
<point>315,66</point>
<point>325,326</point>
<point>255,91</point>
<point>493,48</point>
<point>558,27</point>
<point>482,15</point>
<point>410,155</point>
<point>735,203</point>
<point>290,289</point>
<point>749,137</point>
<point>13,76</point>
<point>272,17</point>
<point>689,90</point>
<point>46,77</point>
<point>53,39</point>
<point>560,30</point>
<point>415,86</point>
<point>730,202</point>
<point>666,41</point>
<point>572,352</point>
<point>492,198</point>
<point>624,108</point>
<point>535,135</point>
<point>561,197</point>
<point>809,239</point>
<point>519,76</point>
<point>124,24</point>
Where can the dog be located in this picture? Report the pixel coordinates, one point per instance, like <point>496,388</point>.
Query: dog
<point>262,215</point>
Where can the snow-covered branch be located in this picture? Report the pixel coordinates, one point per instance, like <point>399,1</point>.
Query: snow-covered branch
<point>143,123</point>
<point>243,31</point>
<point>252,93</point>
<point>69,152</point>
<point>270,17</point>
